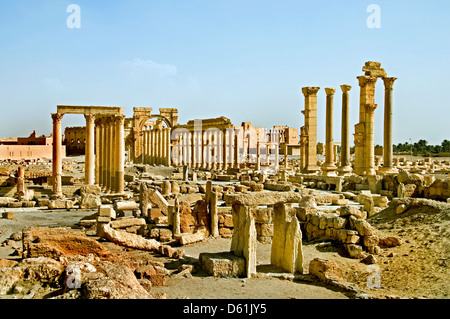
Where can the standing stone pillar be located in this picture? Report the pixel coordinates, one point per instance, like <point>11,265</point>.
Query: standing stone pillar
<point>285,150</point>
<point>107,155</point>
<point>345,168</point>
<point>20,181</point>
<point>120,153</point>
<point>176,219</point>
<point>89,166</point>
<point>387,147</point>
<point>329,168</point>
<point>303,143</point>
<point>310,113</point>
<point>214,214</point>
<point>57,155</point>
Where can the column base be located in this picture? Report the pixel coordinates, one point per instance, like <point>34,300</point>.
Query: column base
<point>329,169</point>
<point>344,170</point>
<point>311,169</point>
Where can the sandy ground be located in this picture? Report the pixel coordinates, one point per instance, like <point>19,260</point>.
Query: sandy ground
<point>417,269</point>
<point>199,286</point>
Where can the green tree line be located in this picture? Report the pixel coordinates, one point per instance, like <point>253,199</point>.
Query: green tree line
<point>422,147</point>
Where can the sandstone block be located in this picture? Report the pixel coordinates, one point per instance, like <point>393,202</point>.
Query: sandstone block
<point>56,242</point>
<point>8,215</point>
<point>224,264</point>
<point>106,211</point>
<point>60,204</point>
<point>355,251</point>
<point>351,210</point>
<point>390,241</point>
<point>325,270</point>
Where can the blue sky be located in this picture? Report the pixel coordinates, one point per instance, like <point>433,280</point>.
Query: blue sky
<point>246,60</point>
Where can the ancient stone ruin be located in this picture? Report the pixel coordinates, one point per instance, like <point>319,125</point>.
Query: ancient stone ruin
<point>154,202</point>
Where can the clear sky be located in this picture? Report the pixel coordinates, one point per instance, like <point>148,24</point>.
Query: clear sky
<point>246,60</point>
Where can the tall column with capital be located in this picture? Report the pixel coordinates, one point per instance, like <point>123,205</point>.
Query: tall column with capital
<point>112,165</point>
<point>97,151</point>
<point>329,168</point>
<point>345,168</point>
<point>103,152</point>
<point>120,153</point>
<point>310,113</point>
<point>89,166</point>
<point>387,147</point>
<point>57,155</point>
<point>364,152</point>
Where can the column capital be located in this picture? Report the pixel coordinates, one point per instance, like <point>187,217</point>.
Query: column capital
<point>367,80</point>
<point>119,119</point>
<point>346,88</point>
<point>370,107</point>
<point>389,82</point>
<point>57,117</point>
<point>330,91</point>
<point>90,118</point>
<point>310,90</point>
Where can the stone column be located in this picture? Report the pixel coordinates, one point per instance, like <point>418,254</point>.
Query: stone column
<point>20,181</point>
<point>285,153</point>
<point>112,166</point>
<point>104,144</point>
<point>387,147</point>
<point>176,219</point>
<point>89,166</point>
<point>310,113</point>
<point>329,168</point>
<point>345,168</point>
<point>169,147</point>
<point>57,155</point>
<point>369,151</point>
<point>364,153</point>
<point>258,157</point>
<point>214,214</point>
<point>120,153</point>
<point>97,151</point>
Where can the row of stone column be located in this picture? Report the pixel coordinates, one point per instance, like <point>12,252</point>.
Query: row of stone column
<point>156,146</point>
<point>110,150</point>
<point>218,149</point>
<point>104,152</point>
<point>364,130</point>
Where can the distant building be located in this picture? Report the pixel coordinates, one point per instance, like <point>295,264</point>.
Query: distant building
<point>27,148</point>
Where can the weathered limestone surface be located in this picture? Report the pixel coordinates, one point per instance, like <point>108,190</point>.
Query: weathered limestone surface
<point>125,239</point>
<point>264,198</point>
<point>56,242</point>
<point>223,264</point>
<point>325,270</point>
<point>286,250</point>
<point>243,242</point>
